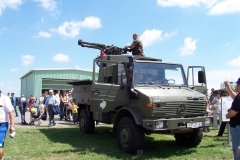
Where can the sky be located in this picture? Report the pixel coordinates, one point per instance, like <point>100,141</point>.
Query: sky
<point>45,33</point>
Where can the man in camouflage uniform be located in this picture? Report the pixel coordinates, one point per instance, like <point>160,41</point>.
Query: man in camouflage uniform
<point>136,47</point>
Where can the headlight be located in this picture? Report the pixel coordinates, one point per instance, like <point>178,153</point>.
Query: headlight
<point>155,99</point>
<point>159,124</point>
<point>207,121</point>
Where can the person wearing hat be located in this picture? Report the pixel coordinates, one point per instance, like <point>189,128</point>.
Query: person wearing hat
<point>6,116</point>
<point>51,102</point>
<point>234,116</point>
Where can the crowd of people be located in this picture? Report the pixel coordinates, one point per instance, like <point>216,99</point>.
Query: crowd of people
<point>45,107</point>
<point>214,109</point>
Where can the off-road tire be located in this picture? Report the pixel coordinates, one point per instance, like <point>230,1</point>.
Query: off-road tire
<point>190,139</point>
<point>86,123</point>
<point>130,136</point>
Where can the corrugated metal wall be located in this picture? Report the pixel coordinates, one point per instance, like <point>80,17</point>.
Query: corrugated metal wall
<point>27,85</point>
<point>33,83</point>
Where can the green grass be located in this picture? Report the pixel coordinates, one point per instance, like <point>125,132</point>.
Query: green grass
<point>68,143</point>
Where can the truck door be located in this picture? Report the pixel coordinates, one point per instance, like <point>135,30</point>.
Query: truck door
<point>107,92</point>
<point>196,77</point>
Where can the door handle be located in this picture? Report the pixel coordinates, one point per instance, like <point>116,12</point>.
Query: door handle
<point>96,92</point>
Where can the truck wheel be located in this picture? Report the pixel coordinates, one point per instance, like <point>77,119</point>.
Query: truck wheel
<point>130,136</point>
<point>190,139</point>
<point>86,123</point>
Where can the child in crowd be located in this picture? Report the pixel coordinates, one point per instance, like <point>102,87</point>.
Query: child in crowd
<point>74,109</point>
<point>36,114</point>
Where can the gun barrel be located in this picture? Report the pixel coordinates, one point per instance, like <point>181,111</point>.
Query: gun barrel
<point>109,50</point>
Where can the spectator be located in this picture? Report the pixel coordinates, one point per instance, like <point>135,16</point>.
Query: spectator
<point>234,116</point>
<point>64,101</point>
<point>14,103</point>
<point>23,107</point>
<point>211,96</point>
<point>216,111</point>
<point>69,110</point>
<point>208,113</point>
<point>51,102</point>
<point>45,95</point>
<point>57,96</point>
<point>223,124</point>
<point>74,109</point>
<point>6,115</point>
<point>22,99</point>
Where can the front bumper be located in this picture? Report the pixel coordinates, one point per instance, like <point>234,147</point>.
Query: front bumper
<point>177,123</point>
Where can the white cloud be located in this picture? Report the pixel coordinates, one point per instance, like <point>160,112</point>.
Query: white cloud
<point>189,46</point>
<point>91,23</point>
<point>27,59</point>
<point>150,36</point>
<point>216,77</point>
<point>235,62</point>
<point>49,5</point>
<point>72,28</point>
<point>68,29</point>
<point>225,7</point>
<point>186,3</point>
<point>217,7</point>
<point>13,4</point>
<point>43,34</point>
<point>60,57</point>
<point>169,35</point>
<point>14,69</point>
<point>1,84</point>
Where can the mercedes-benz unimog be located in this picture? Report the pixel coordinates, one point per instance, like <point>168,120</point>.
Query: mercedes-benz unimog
<point>142,95</point>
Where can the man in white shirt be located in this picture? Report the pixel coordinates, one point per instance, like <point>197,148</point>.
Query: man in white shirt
<point>6,114</point>
<point>23,99</point>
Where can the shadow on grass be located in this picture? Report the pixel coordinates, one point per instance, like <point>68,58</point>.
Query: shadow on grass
<point>104,142</point>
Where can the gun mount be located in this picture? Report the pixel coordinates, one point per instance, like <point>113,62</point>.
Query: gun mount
<point>108,50</point>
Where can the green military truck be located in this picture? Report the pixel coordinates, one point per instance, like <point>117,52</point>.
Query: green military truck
<point>142,95</point>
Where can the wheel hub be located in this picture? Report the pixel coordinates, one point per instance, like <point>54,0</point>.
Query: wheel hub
<point>125,136</point>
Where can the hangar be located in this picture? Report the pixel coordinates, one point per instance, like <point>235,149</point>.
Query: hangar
<point>36,81</point>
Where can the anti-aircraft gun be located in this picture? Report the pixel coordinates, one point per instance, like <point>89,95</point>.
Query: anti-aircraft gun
<point>108,50</point>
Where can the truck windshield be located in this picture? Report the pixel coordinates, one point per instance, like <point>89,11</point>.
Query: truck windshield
<point>160,74</point>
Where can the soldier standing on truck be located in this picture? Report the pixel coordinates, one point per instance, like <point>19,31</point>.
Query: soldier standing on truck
<point>136,46</point>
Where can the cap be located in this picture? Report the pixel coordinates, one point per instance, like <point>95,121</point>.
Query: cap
<point>238,81</point>
<point>22,95</point>
<point>50,90</point>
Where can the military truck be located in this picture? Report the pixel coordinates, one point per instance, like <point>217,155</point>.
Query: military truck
<point>141,95</point>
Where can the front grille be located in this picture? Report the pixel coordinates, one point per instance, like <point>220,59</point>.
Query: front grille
<point>172,109</point>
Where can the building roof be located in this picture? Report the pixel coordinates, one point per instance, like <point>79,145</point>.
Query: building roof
<point>51,69</point>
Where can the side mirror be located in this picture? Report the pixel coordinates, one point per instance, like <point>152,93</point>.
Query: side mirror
<point>201,77</point>
<point>123,78</point>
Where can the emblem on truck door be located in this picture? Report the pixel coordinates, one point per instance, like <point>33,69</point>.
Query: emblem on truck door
<point>181,108</point>
<point>102,104</point>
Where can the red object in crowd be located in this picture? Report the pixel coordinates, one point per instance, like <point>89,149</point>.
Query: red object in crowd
<point>102,53</point>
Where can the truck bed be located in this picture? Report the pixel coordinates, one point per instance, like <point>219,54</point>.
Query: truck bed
<point>82,90</point>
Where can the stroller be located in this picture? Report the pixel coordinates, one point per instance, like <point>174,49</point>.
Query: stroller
<point>35,113</point>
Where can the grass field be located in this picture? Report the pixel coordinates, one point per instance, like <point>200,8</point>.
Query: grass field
<point>68,143</point>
